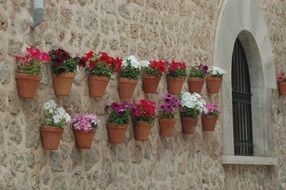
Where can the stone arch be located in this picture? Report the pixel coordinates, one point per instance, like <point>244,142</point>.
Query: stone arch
<point>244,20</point>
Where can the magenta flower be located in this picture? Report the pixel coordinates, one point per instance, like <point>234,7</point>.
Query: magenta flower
<point>168,108</point>
<point>211,109</point>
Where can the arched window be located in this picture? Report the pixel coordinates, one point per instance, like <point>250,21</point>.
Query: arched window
<point>241,103</point>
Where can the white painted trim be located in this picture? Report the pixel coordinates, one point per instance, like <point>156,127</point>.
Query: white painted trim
<point>244,19</point>
<point>248,160</point>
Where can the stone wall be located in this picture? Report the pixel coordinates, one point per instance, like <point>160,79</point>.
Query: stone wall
<point>150,29</point>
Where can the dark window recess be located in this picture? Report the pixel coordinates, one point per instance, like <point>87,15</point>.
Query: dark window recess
<point>241,101</point>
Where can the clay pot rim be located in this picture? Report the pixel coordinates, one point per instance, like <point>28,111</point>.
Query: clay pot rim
<point>65,74</point>
<point>210,78</point>
<point>96,77</point>
<point>151,76</point>
<point>79,131</point>
<point>145,123</point>
<point>127,80</point>
<point>113,125</point>
<point>177,78</point>
<point>209,116</point>
<point>30,76</point>
<point>167,119</point>
<point>50,128</point>
<point>190,118</point>
<point>196,79</point>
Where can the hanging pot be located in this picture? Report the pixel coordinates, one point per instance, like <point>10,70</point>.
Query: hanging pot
<point>282,87</point>
<point>213,84</point>
<point>142,130</point>
<point>150,83</point>
<point>209,122</point>
<point>116,133</point>
<point>189,124</point>
<point>195,84</point>
<point>84,139</point>
<point>175,85</point>
<point>63,83</point>
<point>97,85</point>
<point>127,87</point>
<point>27,84</point>
<point>166,126</point>
<point>51,137</point>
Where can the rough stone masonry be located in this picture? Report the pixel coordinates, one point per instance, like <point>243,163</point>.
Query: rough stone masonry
<point>150,29</point>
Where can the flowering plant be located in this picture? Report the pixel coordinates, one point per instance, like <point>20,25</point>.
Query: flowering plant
<point>192,104</point>
<point>281,76</point>
<point>168,108</point>
<point>118,113</point>
<point>145,111</point>
<point>216,72</point>
<point>30,63</point>
<point>211,109</point>
<point>100,64</point>
<point>85,122</point>
<point>56,116</point>
<point>62,62</point>
<point>199,71</point>
<point>155,68</point>
<point>131,68</point>
<point>177,70</point>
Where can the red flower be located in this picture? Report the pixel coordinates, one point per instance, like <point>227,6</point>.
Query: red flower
<point>177,65</point>
<point>159,65</point>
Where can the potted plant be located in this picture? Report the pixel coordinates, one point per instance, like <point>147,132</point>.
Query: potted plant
<point>128,77</point>
<point>152,74</point>
<point>53,128</point>
<point>176,76</point>
<point>167,111</point>
<point>63,68</point>
<point>197,78</point>
<point>281,79</point>
<point>84,126</point>
<point>209,117</point>
<point>29,70</point>
<point>143,115</point>
<point>191,107</point>
<point>214,79</point>
<point>117,122</point>
<point>99,68</point>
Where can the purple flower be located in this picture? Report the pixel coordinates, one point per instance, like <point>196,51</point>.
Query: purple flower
<point>169,106</point>
<point>203,68</point>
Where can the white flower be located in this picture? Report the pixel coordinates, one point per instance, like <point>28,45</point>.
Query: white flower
<point>67,117</point>
<point>192,101</point>
<point>56,119</point>
<point>216,71</point>
<point>133,61</point>
<point>50,105</point>
<point>144,63</point>
<point>61,111</point>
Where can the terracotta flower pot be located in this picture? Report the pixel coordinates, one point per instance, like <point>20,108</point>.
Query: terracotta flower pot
<point>282,88</point>
<point>127,87</point>
<point>209,122</point>
<point>97,85</point>
<point>116,133</point>
<point>84,139</point>
<point>166,126</point>
<point>150,83</point>
<point>195,84</point>
<point>142,130</point>
<point>175,85</point>
<point>27,84</point>
<point>63,83</point>
<point>213,84</point>
<point>51,137</point>
<point>189,124</point>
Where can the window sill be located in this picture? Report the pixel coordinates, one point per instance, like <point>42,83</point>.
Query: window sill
<point>248,160</point>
